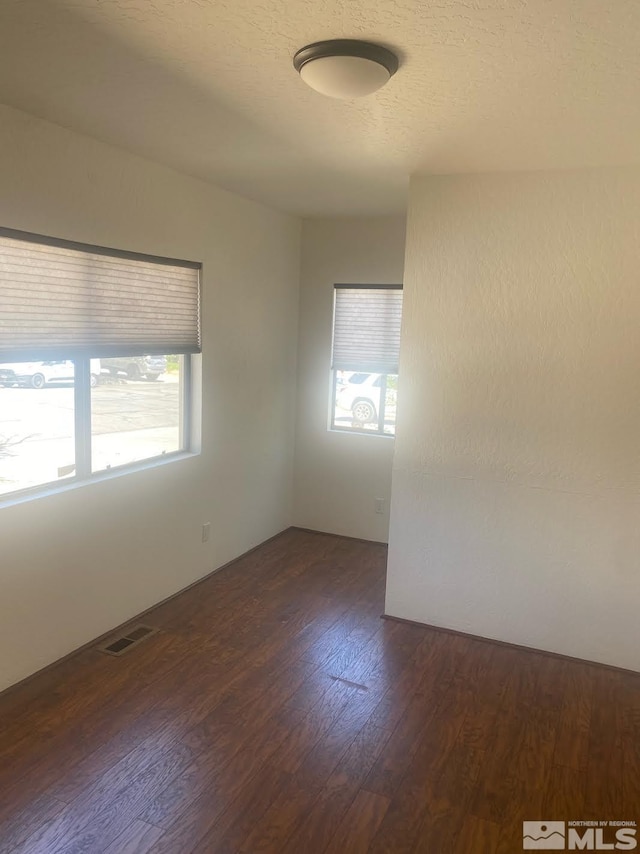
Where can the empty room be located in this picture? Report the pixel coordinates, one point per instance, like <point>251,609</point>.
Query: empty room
<point>319,426</point>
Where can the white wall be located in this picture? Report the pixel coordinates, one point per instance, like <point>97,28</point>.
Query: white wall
<point>516,485</point>
<point>75,564</point>
<point>338,475</point>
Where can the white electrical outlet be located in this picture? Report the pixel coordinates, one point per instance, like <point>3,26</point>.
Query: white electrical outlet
<point>379,503</point>
<point>206,532</point>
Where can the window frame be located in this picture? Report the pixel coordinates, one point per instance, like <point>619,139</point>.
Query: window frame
<point>82,357</point>
<point>332,426</point>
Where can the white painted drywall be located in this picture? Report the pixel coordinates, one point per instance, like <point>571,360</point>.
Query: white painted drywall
<point>338,475</point>
<point>75,564</point>
<point>516,484</point>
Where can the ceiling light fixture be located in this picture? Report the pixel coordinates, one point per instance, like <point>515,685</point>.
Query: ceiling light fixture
<point>345,68</point>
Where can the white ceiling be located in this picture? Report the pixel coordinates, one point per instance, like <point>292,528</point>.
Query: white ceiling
<point>207,86</point>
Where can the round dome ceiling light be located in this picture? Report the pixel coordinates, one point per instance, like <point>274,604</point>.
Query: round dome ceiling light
<point>345,68</point>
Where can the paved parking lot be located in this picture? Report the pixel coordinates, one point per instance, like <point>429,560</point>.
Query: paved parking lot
<point>130,421</point>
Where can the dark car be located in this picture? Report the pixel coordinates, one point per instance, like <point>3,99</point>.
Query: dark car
<point>136,367</point>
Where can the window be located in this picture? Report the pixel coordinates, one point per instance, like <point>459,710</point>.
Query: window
<point>366,345</point>
<point>95,359</point>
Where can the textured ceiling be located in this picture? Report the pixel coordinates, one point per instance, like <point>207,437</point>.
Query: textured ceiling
<point>207,87</point>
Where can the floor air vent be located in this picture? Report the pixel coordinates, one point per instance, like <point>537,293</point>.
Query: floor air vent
<point>131,638</point>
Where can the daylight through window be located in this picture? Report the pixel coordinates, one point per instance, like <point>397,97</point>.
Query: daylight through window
<point>366,346</point>
<point>95,358</point>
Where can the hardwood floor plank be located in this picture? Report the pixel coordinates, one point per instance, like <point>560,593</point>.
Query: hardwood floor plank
<point>363,616</point>
<point>266,690</point>
<point>443,686</point>
<point>480,722</point>
<point>477,836</point>
<point>431,799</point>
<point>271,831</point>
<point>572,745</point>
<point>224,831</point>
<point>138,838</point>
<point>318,825</point>
<point>360,823</point>
<point>419,676</point>
<point>448,799</point>
<point>387,773</point>
<point>215,772</point>
<point>565,793</point>
<point>630,716</point>
<point>35,817</point>
<point>605,761</point>
<point>95,819</point>
<point>521,748</point>
<point>90,768</point>
<point>310,760</point>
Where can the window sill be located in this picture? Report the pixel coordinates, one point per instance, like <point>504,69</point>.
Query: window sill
<point>361,433</point>
<point>49,489</point>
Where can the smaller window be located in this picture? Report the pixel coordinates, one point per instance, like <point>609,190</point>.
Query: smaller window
<point>366,344</point>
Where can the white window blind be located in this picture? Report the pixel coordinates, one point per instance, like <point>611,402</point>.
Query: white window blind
<point>366,329</point>
<point>66,300</point>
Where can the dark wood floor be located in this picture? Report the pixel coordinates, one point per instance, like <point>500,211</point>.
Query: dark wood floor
<point>276,712</point>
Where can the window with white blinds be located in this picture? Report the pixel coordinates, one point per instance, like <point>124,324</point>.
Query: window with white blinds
<point>366,329</point>
<point>365,355</point>
<point>66,300</point>
<point>96,350</point>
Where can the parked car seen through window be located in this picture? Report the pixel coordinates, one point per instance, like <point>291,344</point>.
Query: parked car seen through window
<point>365,402</point>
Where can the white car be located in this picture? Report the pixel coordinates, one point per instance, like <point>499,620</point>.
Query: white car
<point>38,374</point>
<point>361,396</point>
